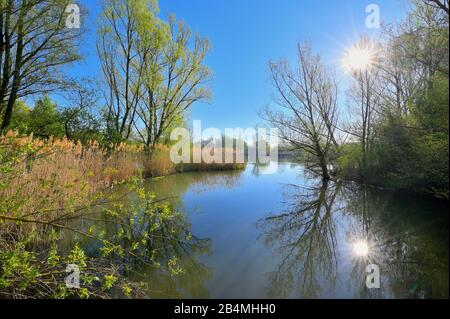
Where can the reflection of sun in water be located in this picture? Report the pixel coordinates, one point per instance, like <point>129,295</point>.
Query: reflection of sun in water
<point>361,248</point>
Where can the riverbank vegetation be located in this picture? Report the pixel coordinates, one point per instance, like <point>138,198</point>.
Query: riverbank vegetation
<point>38,205</point>
<point>393,129</point>
<point>66,143</point>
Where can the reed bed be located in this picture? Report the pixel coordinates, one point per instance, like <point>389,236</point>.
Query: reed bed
<point>58,173</point>
<point>55,174</point>
<point>220,165</point>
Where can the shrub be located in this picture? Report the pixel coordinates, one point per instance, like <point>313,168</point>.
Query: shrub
<point>348,161</point>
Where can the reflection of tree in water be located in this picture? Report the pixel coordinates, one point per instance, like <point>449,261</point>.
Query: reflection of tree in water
<point>172,251</point>
<point>258,169</point>
<point>202,182</point>
<point>176,240</point>
<point>406,238</point>
<point>155,245</point>
<point>305,237</point>
<point>177,185</point>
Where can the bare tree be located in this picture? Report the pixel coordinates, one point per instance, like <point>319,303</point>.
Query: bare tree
<point>307,107</point>
<point>401,78</point>
<point>413,53</point>
<point>365,98</point>
<point>365,93</point>
<point>305,236</point>
<point>425,38</point>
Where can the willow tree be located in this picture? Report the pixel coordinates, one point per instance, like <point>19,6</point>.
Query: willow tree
<point>35,42</point>
<point>154,70</point>
<point>306,113</point>
<point>175,78</point>
<point>118,40</point>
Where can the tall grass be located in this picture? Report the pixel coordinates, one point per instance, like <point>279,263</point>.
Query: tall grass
<point>203,166</point>
<point>158,163</point>
<point>51,192</point>
<point>63,172</point>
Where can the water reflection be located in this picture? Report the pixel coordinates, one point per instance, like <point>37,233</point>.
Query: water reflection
<point>327,235</point>
<point>316,242</point>
<point>159,251</point>
<point>305,237</point>
<point>175,186</point>
<point>191,283</point>
<point>407,239</point>
<point>168,261</point>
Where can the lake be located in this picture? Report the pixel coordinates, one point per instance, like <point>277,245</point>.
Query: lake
<point>287,235</point>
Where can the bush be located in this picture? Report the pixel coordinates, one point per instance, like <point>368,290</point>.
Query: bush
<point>349,161</point>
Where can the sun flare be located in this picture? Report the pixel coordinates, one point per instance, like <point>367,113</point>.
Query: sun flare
<point>359,58</point>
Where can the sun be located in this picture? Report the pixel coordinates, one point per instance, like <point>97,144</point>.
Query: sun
<point>359,58</point>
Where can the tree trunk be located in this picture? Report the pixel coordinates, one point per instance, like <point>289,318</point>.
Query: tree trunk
<point>17,70</point>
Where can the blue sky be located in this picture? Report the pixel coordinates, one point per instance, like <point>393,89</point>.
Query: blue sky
<point>245,35</point>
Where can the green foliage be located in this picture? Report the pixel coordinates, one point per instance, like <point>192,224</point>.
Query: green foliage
<point>410,154</point>
<point>431,110</point>
<point>80,125</point>
<point>154,71</point>
<point>20,120</point>
<point>349,160</point>
<point>45,120</point>
<point>34,255</point>
<point>431,152</point>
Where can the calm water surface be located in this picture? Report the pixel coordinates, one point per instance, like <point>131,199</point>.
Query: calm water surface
<point>287,236</point>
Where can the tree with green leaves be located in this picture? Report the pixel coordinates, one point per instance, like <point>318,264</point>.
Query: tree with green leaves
<point>117,49</point>
<point>20,120</point>
<point>79,114</point>
<point>34,44</point>
<point>153,70</point>
<point>175,78</point>
<point>406,144</point>
<point>45,120</point>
